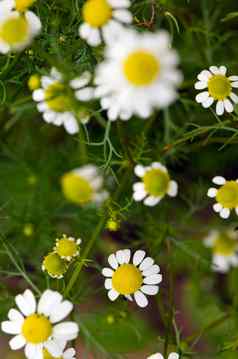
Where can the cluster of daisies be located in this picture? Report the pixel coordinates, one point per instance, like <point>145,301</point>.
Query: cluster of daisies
<point>65,251</point>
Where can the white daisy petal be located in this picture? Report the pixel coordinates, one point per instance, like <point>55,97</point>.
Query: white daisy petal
<point>146,263</point>
<point>233,78</point>
<point>234,84</point>
<point>108,283</point>
<point>11,327</point>
<point>65,331</point>
<point>228,105</point>
<point>236,210</point>
<point>156,356</point>
<point>113,294</point>
<point>174,355</point>
<point>202,96</point>
<point>214,69</point>
<point>152,201</point>
<point>138,257</point>
<point>219,108</point>
<point>173,189</point>
<point>140,170</point>
<point>153,279</point>
<point>139,195</point>
<point>225,213</point>
<point>54,348</point>
<point>107,272</point>
<point>127,255</point>
<point>204,75</point>
<point>141,299</point>
<point>223,70</point>
<point>38,95</point>
<point>154,269</point>
<point>234,97</point>
<point>120,256</point>
<point>212,192</point>
<point>150,289</point>
<point>123,16</point>
<point>217,207</point>
<point>219,180</point>
<point>208,102</point>
<point>47,301</point>
<point>200,85</point>
<point>113,261</point>
<point>18,342</point>
<point>15,316</point>
<point>61,311</point>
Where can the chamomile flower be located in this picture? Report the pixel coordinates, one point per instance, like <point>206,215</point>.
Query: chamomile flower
<point>226,196</point>
<point>136,279</point>
<point>55,100</point>
<point>39,326</point>
<point>67,247</point>
<point>84,185</point>
<point>218,87</point>
<point>17,28</point>
<point>103,19</point>
<point>54,265</point>
<point>155,184</point>
<point>160,356</point>
<point>139,74</point>
<point>224,246</point>
<point>67,354</point>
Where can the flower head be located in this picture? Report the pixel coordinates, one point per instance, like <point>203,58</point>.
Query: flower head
<point>155,184</point>
<point>84,185</point>
<point>54,265</point>
<point>103,19</point>
<point>37,326</point>
<point>138,75</point>
<point>67,354</point>
<point>67,247</point>
<point>226,196</point>
<point>218,87</point>
<point>160,356</point>
<point>132,279</point>
<point>224,246</point>
<point>55,100</point>
<point>17,28</point>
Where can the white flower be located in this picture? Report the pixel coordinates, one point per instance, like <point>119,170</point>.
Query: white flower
<point>138,74</point>
<point>84,185</point>
<point>36,326</point>
<point>226,196</point>
<point>224,245</point>
<point>218,87</point>
<point>67,354</point>
<point>160,356</point>
<point>103,19</point>
<point>138,279</point>
<point>55,102</point>
<point>17,28</point>
<point>155,184</point>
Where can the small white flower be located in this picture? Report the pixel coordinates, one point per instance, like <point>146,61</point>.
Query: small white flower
<point>67,354</point>
<point>139,74</point>
<point>137,279</point>
<point>226,196</point>
<point>67,247</point>
<point>160,356</point>
<point>155,184</point>
<point>36,326</point>
<point>84,185</point>
<point>217,87</point>
<point>55,102</point>
<point>103,19</point>
<point>17,28</point>
<point>224,245</point>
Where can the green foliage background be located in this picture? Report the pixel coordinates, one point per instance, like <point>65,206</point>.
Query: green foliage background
<point>196,310</point>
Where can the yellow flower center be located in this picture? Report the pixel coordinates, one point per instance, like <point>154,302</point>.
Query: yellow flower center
<point>141,68</point>
<point>22,5</point>
<point>127,279</point>
<point>97,12</point>
<point>47,355</point>
<point>156,182</point>
<point>14,30</point>
<point>56,98</point>
<point>219,87</point>
<point>36,329</point>
<point>54,265</point>
<point>66,248</point>
<point>224,245</point>
<point>77,189</point>
<point>227,195</point>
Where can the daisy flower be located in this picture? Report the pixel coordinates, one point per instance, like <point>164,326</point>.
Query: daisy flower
<point>55,100</point>
<point>137,279</point>
<point>67,354</point>
<point>54,265</point>
<point>103,19</point>
<point>138,74</point>
<point>84,185</point>
<point>224,245</point>
<point>155,184</point>
<point>17,28</point>
<point>217,87</point>
<point>226,196</point>
<point>160,356</point>
<point>36,326</point>
<point>67,247</point>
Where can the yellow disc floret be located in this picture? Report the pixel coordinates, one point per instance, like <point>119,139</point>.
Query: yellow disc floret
<point>224,245</point>
<point>54,265</point>
<point>156,182</point>
<point>56,98</point>
<point>97,12</point>
<point>227,195</point>
<point>127,279</point>
<point>36,329</point>
<point>67,248</point>
<point>15,30</point>
<point>76,188</point>
<point>141,68</point>
<point>34,82</point>
<point>23,5</point>
<point>219,87</point>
